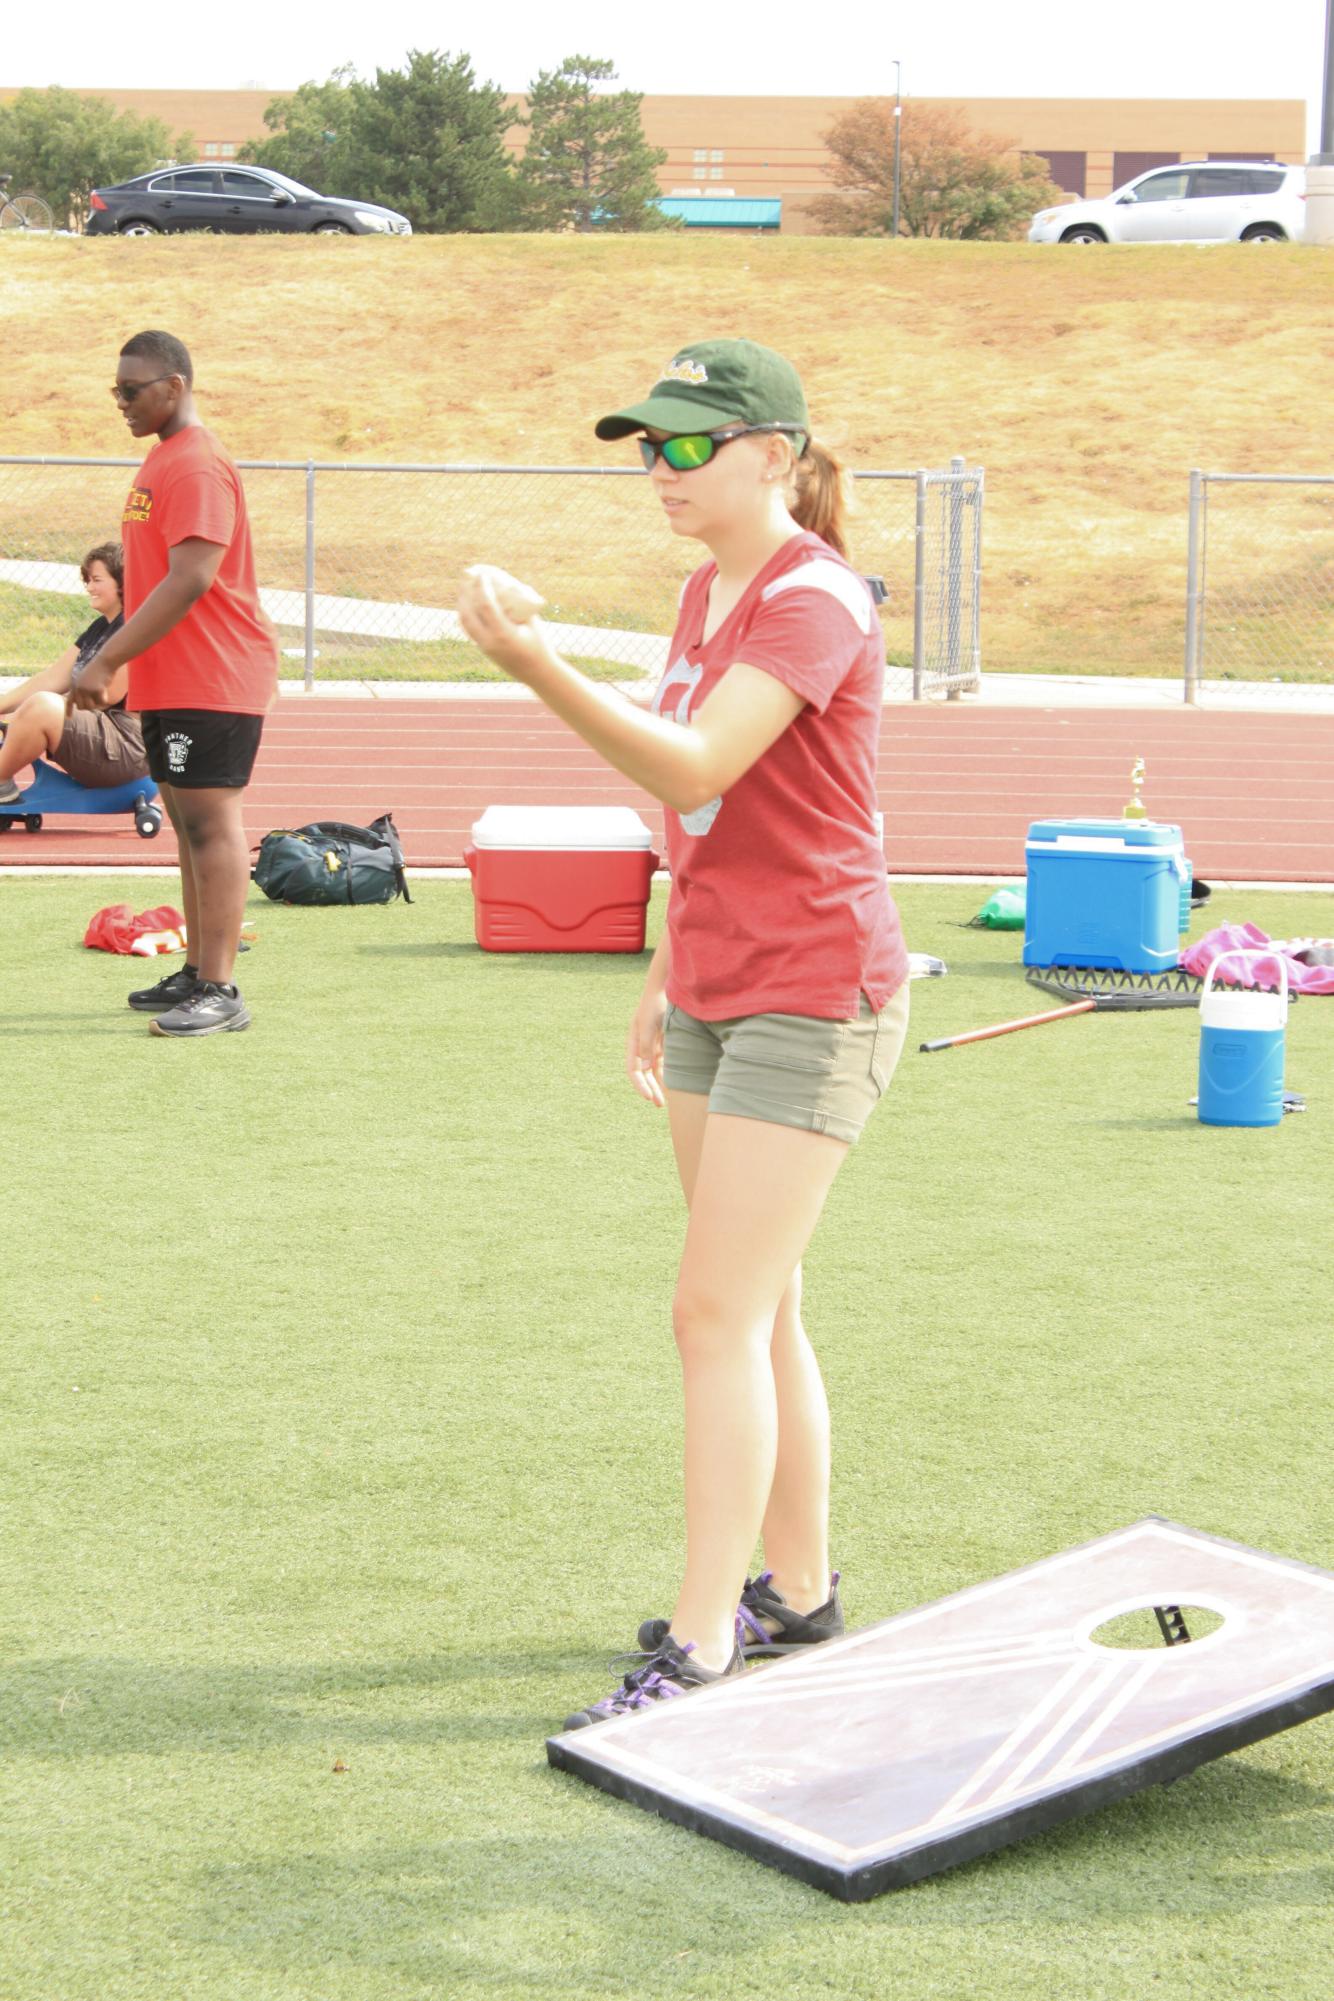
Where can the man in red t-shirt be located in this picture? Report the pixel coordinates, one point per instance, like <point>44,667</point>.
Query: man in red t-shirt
<point>203,669</point>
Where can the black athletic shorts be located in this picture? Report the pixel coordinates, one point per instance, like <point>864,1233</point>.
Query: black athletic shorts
<point>198,747</point>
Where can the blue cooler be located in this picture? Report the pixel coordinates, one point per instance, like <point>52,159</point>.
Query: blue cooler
<point>1105,893</point>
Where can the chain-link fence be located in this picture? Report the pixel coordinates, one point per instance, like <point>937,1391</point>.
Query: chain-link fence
<point>1260,582</point>
<point>358,563</point>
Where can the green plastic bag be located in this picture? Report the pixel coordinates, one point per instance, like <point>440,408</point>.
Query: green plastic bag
<point>1003,909</point>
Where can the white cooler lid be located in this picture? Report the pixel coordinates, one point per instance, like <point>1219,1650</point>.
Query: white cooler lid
<point>560,827</point>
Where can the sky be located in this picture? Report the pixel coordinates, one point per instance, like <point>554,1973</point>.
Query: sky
<point>971,48</point>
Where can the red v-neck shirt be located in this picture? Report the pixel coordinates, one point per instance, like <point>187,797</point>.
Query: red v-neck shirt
<point>221,655</point>
<point>779,902</point>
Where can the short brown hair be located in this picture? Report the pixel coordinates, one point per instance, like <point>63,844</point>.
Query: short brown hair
<point>111,555</point>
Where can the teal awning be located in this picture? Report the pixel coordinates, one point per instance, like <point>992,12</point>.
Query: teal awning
<point>720,212</point>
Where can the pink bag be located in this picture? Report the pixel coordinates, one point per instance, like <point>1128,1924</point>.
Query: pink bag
<point>1262,970</point>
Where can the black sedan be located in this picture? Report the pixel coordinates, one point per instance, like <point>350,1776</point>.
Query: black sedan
<point>232,201</point>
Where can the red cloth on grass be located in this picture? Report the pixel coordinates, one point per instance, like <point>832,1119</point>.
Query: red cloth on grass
<point>116,928</point>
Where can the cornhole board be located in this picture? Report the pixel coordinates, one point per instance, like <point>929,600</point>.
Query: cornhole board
<point>976,1721</point>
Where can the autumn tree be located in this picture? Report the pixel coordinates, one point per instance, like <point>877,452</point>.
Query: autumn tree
<point>587,164</point>
<point>953,181</point>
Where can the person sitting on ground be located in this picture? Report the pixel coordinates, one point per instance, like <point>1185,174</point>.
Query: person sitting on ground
<point>98,747</point>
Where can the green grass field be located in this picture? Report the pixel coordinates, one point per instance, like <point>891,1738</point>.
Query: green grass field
<point>342,1432</point>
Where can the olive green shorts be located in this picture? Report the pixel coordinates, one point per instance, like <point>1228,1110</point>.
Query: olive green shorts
<point>102,747</point>
<point>789,1069</point>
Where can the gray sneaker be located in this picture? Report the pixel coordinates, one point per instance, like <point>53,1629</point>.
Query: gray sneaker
<point>9,792</point>
<point>766,1623</point>
<point>668,1672</point>
<point>209,1008</point>
<point>166,992</point>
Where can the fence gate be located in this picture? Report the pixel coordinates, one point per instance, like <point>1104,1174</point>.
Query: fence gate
<point>947,652</point>
<point>1260,583</point>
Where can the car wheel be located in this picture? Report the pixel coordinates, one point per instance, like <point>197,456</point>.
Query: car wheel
<point>1084,232</point>
<point>138,227</point>
<point>332,229</point>
<point>1264,232</point>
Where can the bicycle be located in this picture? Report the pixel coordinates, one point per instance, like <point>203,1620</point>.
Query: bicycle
<point>23,211</point>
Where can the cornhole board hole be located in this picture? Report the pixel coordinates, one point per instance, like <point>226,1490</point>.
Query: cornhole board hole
<point>983,1718</point>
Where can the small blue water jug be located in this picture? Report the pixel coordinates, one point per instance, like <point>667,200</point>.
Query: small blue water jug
<point>1242,1036</point>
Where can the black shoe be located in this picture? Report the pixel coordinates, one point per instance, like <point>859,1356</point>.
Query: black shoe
<point>669,1672</point>
<point>207,1009</point>
<point>766,1623</point>
<point>171,989</point>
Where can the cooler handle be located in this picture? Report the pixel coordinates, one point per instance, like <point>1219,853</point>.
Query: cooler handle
<point>470,860</point>
<point>1247,952</point>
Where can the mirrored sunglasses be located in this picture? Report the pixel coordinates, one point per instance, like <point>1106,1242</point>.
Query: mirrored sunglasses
<point>696,448</point>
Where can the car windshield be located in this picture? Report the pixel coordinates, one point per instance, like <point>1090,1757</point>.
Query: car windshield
<point>282,181</point>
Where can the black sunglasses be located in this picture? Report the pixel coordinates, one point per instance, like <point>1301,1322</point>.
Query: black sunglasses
<point>125,392</point>
<point>696,448</point>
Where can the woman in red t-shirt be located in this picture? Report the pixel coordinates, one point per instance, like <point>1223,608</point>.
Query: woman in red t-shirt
<point>775,1005</point>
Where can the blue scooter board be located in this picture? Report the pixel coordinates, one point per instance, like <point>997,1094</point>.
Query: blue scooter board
<point>54,791</point>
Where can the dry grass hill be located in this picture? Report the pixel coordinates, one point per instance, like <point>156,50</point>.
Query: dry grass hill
<point>1086,383</point>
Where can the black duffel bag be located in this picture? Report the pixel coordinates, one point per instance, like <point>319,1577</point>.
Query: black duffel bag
<point>331,862</point>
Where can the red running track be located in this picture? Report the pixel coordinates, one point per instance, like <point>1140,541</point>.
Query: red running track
<point>958,785</point>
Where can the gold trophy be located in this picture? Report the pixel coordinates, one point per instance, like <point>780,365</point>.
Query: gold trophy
<point>1134,808</point>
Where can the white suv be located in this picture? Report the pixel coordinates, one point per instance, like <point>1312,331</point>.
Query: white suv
<point>1201,201</point>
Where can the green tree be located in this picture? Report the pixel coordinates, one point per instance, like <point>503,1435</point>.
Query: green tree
<point>315,135</point>
<point>61,145</point>
<point>432,138</point>
<point>953,182</point>
<point>426,139</point>
<point>587,165</point>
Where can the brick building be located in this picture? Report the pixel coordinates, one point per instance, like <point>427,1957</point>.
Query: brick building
<point>764,149</point>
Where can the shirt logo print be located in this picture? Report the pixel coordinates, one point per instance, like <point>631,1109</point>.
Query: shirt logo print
<point>139,505</point>
<point>681,675</point>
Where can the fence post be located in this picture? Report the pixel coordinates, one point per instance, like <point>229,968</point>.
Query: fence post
<point>1192,687</point>
<point>979,490</point>
<point>954,629</point>
<point>310,576</point>
<point>919,591</point>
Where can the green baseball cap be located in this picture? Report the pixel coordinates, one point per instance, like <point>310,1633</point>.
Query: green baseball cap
<point>712,383</point>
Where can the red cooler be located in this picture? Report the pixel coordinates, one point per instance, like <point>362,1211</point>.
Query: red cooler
<point>560,878</point>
